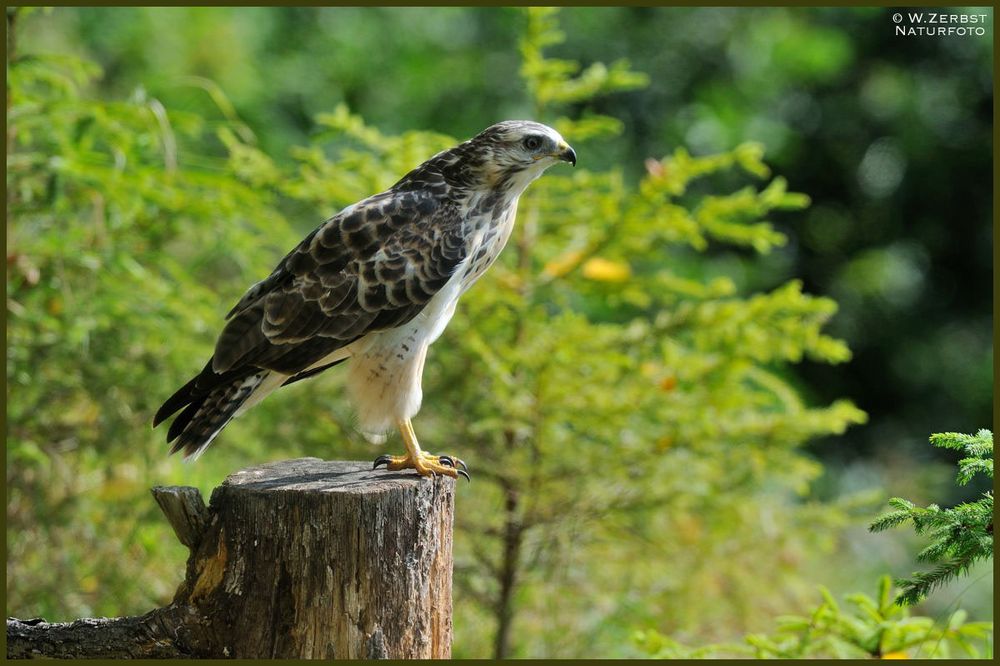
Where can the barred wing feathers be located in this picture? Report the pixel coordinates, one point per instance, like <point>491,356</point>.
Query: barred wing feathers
<point>373,266</point>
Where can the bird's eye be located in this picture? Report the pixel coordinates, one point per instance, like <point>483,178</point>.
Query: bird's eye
<point>532,142</point>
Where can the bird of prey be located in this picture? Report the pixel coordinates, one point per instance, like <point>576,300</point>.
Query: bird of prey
<point>374,285</point>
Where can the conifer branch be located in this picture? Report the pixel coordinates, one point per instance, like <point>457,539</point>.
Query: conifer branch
<point>960,536</point>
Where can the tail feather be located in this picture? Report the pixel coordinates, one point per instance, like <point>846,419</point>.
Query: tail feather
<point>208,402</point>
<point>206,416</point>
<point>184,418</point>
<point>180,398</point>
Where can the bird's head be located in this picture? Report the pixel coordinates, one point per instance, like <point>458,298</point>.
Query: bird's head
<point>517,152</point>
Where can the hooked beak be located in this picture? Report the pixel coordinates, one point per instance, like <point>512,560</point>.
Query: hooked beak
<point>566,154</point>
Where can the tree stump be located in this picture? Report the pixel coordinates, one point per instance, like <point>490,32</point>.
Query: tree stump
<point>296,559</point>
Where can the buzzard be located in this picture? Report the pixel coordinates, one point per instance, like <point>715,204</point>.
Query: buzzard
<point>375,285</point>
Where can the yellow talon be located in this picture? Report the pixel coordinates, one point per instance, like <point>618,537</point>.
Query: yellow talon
<point>425,463</point>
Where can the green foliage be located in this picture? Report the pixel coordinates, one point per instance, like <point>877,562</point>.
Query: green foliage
<point>960,536</point>
<point>630,410</point>
<point>978,448</point>
<point>118,237</point>
<point>645,407</point>
<point>865,131</point>
<point>868,628</point>
<point>558,81</point>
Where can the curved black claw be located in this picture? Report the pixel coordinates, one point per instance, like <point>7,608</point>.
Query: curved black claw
<point>450,462</point>
<point>381,460</point>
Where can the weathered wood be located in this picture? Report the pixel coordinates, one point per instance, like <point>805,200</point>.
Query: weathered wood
<point>185,511</point>
<point>171,632</point>
<point>296,559</point>
<point>315,559</point>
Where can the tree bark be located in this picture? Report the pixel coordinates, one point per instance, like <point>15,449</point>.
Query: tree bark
<point>296,559</point>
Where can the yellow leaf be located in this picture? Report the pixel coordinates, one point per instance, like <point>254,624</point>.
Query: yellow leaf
<point>563,264</point>
<point>605,270</point>
<point>895,655</point>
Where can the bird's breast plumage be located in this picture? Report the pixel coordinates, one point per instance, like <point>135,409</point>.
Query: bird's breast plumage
<point>384,374</point>
<point>489,224</point>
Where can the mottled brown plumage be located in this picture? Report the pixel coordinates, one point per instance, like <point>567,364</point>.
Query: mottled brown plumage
<point>377,282</point>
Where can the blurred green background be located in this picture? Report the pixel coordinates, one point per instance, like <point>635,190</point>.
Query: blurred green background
<point>160,160</point>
